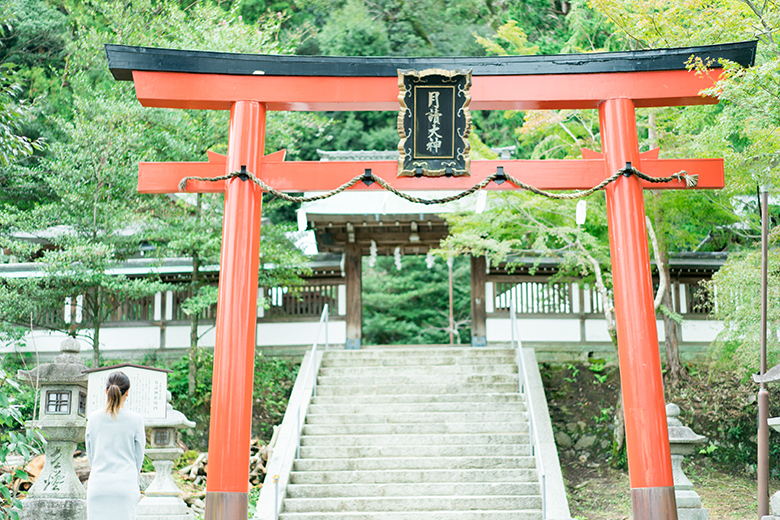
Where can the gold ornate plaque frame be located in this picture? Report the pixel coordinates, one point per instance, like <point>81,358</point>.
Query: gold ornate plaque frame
<point>434,122</point>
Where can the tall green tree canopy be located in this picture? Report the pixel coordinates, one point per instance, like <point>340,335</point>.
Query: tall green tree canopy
<point>90,206</point>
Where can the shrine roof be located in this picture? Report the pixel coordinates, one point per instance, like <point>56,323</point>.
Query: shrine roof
<point>122,60</point>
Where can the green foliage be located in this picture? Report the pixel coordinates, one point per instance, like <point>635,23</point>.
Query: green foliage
<point>742,129</point>
<point>197,406</point>
<point>517,222</point>
<point>83,188</point>
<point>599,368</point>
<point>273,382</point>
<point>254,495</point>
<point>13,440</point>
<point>351,31</point>
<point>23,395</point>
<point>671,23</point>
<point>411,305</point>
<point>736,288</point>
<point>509,39</point>
<point>13,116</point>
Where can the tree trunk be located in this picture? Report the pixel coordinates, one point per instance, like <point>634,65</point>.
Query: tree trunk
<point>193,353</point>
<point>619,459</point>
<point>73,327</point>
<point>674,367</point>
<point>619,419</point>
<point>195,286</point>
<point>96,315</point>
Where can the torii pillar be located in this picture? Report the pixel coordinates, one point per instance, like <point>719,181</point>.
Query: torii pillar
<point>650,470</point>
<point>234,351</point>
<point>613,83</point>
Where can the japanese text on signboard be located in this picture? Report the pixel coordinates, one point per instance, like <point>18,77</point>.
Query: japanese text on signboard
<point>434,122</point>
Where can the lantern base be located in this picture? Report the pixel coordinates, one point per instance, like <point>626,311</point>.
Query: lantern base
<point>163,508</point>
<point>53,509</point>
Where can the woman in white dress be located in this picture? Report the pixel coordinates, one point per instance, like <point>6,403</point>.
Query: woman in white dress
<point>115,447</point>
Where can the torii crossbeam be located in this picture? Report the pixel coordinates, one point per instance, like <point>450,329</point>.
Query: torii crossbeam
<point>249,85</point>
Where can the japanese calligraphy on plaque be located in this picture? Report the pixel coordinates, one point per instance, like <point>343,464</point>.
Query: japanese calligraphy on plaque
<point>148,389</point>
<point>434,122</point>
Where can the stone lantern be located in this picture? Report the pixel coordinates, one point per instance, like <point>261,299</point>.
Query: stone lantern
<point>58,494</point>
<point>162,500</point>
<point>683,441</point>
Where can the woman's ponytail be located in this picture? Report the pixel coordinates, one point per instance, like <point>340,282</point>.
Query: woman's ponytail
<point>117,385</point>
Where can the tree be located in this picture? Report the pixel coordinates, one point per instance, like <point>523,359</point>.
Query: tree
<point>410,305</point>
<point>742,128</point>
<point>90,169</point>
<point>13,115</point>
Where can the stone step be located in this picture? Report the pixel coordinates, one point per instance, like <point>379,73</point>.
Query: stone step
<point>420,352</point>
<point>413,440</point>
<point>490,397</point>
<point>413,476</point>
<point>509,368</point>
<point>417,361</point>
<point>412,489</point>
<point>418,515</point>
<point>429,379</point>
<point>442,388</point>
<point>415,428</point>
<point>369,464</point>
<point>415,434</point>
<point>345,408</point>
<point>463,450</point>
<point>418,503</point>
<point>425,417</point>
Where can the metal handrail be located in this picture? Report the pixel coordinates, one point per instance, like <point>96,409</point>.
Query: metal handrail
<point>296,434</point>
<point>528,403</point>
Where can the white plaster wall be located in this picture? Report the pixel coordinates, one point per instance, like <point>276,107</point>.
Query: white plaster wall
<point>42,341</point>
<point>499,329</point>
<point>148,338</point>
<point>111,338</point>
<point>698,331</point>
<point>299,333</point>
<point>129,338</point>
<point>596,330</point>
<point>302,333</point>
<point>701,330</point>
<point>179,336</point>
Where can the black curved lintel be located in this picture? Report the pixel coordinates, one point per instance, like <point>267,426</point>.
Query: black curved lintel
<point>122,60</point>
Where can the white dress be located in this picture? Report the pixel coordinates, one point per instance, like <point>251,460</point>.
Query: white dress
<point>115,449</point>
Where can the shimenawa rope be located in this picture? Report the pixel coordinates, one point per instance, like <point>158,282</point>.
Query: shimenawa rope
<point>499,177</point>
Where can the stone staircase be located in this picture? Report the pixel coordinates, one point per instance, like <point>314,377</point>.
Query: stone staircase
<point>415,433</point>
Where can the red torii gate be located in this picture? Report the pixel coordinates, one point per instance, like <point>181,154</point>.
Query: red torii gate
<point>249,85</point>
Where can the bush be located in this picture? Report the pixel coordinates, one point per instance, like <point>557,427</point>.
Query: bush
<point>24,395</point>
<point>273,382</point>
<point>14,439</point>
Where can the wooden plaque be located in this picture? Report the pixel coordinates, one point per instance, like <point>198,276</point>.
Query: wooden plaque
<point>434,122</point>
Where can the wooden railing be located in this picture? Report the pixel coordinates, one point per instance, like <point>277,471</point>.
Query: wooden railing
<point>536,296</point>
<point>302,301</point>
<point>141,309</point>
<point>531,297</point>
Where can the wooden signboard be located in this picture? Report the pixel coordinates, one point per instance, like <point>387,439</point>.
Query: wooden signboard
<point>434,123</point>
<point>148,389</point>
